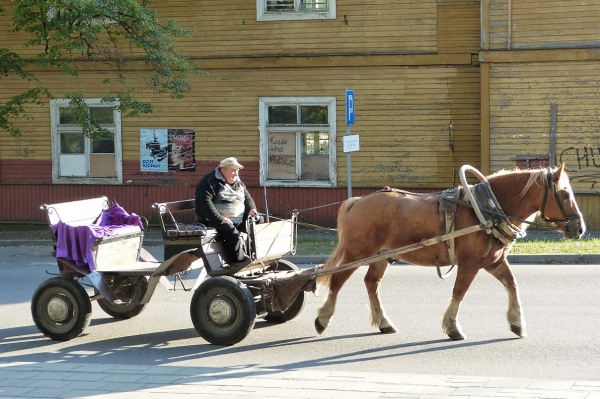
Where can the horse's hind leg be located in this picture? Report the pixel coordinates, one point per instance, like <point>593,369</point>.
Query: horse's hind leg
<point>326,311</point>
<point>515,313</point>
<point>464,278</point>
<point>373,279</point>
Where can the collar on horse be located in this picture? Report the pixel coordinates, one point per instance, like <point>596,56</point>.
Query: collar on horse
<point>503,229</point>
<point>484,201</point>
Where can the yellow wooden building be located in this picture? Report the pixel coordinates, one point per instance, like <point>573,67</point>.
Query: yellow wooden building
<point>437,84</point>
<point>540,80</point>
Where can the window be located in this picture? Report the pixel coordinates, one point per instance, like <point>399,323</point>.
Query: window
<point>80,159</point>
<point>298,141</point>
<point>276,10</point>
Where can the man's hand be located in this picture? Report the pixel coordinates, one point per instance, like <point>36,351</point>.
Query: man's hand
<point>252,213</point>
<point>226,220</point>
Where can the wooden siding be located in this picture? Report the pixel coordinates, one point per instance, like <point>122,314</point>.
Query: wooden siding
<point>21,202</point>
<point>230,29</point>
<point>408,61</point>
<point>403,118</point>
<point>458,26</point>
<point>589,205</point>
<point>543,24</point>
<point>520,99</point>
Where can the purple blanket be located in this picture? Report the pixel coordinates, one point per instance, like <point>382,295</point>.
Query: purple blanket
<point>75,243</point>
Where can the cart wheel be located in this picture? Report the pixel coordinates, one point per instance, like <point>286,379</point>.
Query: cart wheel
<point>296,307</point>
<point>223,310</point>
<point>61,308</point>
<point>129,289</point>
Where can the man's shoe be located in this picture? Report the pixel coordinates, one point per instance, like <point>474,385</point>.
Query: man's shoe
<point>243,263</point>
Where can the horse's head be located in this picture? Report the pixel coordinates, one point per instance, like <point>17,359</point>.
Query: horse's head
<point>559,205</point>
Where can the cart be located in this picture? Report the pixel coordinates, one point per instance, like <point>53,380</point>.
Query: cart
<point>111,261</point>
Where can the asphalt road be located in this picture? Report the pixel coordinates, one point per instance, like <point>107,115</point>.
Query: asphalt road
<point>561,306</point>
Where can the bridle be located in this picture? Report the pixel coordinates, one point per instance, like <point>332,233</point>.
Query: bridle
<point>550,185</point>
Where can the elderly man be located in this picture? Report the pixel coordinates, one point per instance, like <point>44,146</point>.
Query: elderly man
<point>223,202</point>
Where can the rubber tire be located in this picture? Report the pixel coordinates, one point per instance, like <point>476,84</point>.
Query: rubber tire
<point>123,311</point>
<point>234,296</point>
<point>296,307</point>
<point>70,294</point>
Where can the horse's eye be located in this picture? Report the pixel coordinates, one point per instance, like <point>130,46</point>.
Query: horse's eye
<point>565,195</point>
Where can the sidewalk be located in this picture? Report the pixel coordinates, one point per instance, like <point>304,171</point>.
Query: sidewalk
<point>76,380</point>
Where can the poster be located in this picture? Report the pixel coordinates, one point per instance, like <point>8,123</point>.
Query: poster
<point>163,150</point>
<point>181,150</point>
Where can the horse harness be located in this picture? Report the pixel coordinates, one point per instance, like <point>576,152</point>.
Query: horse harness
<point>502,228</point>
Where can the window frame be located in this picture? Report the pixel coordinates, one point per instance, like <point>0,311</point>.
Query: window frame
<point>263,15</point>
<point>263,105</point>
<point>57,129</point>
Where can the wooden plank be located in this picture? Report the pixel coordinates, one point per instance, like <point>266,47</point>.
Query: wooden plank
<point>117,254</point>
<point>543,24</point>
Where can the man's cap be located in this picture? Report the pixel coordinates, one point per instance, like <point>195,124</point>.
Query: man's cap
<point>231,162</point>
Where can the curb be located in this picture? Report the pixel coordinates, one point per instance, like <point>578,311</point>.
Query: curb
<point>320,259</point>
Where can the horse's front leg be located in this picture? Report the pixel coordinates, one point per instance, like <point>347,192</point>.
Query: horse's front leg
<point>373,279</point>
<point>515,313</point>
<point>326,311</point>
<point>450,324</point>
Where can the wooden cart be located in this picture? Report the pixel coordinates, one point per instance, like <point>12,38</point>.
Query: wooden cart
<point>123,275</point>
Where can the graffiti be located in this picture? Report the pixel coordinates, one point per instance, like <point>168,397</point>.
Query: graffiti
<point>282,161</point>
<point>277,144</point>
<point>582,158</point>
<point>24,152</point>
<point>154,178</point>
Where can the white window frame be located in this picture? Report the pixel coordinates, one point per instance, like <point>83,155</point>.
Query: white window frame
<point>263,105</point>
<point>56,128</point>
<point>263,15</point>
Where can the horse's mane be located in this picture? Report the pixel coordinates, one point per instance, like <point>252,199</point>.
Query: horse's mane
<point>536,176</point>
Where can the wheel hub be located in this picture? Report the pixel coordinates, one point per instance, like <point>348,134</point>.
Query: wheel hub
<point>220,311</point>
<point>58,309</point>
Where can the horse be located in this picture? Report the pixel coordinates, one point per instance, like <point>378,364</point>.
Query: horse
<point>391,219</point>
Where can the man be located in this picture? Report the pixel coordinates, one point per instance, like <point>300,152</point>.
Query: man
<point>223,202</point>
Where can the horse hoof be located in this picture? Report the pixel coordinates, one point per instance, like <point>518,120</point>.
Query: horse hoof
<point>318,326</point>
<point>388,330</point>
<point>457,336</point>
<point>520,331</point>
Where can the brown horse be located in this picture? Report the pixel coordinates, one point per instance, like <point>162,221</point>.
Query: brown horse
<point>388,220</point>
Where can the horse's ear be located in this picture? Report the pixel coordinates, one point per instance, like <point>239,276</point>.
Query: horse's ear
<point>558,173</point>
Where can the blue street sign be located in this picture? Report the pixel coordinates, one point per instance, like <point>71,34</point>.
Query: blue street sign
<point>350,119</point>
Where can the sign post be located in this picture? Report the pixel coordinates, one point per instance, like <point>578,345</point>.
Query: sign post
<point>351,142</point>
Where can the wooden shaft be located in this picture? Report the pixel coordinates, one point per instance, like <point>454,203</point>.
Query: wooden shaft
<point>402,250</point>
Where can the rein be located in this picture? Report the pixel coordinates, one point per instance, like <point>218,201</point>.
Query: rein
<point>500,214</point>
<point>549,185</point>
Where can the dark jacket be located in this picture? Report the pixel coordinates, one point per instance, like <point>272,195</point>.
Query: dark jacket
<point>208,193</point>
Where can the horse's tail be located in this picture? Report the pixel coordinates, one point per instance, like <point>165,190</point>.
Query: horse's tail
<point>336,257</point>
